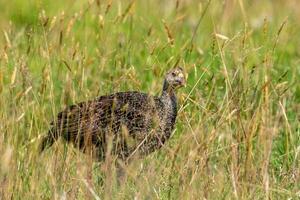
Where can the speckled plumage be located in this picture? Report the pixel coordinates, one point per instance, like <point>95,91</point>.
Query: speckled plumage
<point>133,122</point>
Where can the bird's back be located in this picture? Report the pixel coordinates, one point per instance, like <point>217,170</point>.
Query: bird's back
<point>125,116</point>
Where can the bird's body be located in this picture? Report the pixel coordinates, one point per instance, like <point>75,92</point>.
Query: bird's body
<point>122,124</point>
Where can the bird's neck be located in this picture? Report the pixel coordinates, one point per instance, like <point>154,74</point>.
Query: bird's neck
<point>169,98</point>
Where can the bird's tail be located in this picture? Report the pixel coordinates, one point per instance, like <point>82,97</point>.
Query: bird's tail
<point>48,140</point>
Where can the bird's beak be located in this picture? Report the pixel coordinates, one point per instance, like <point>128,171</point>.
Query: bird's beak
<point>184,83</point>
<point>181,81</point>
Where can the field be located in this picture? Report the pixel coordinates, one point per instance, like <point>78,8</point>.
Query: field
<point>237,134</point>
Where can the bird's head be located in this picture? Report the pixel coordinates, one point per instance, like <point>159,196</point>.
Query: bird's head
<point>175,78</point>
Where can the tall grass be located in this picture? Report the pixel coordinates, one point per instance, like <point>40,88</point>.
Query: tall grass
<point>237,134</point>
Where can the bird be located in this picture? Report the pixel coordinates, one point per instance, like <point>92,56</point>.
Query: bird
<point>122,124</point>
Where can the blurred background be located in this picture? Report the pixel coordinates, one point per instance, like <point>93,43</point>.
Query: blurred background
<point>237,133</point>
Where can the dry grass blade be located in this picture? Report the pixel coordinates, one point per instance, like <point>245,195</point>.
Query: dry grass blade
<point>169,34</point>
<point>236,135</point>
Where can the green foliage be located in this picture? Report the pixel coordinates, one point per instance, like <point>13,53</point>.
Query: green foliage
<point>237,132</point>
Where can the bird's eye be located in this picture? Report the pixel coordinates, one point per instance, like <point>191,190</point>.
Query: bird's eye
<point>173,74</point>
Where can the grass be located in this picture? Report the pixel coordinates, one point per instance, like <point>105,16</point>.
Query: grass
<point>237,134</point>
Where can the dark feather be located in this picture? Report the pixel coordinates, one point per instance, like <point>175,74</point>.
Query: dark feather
<point>131,121</point>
